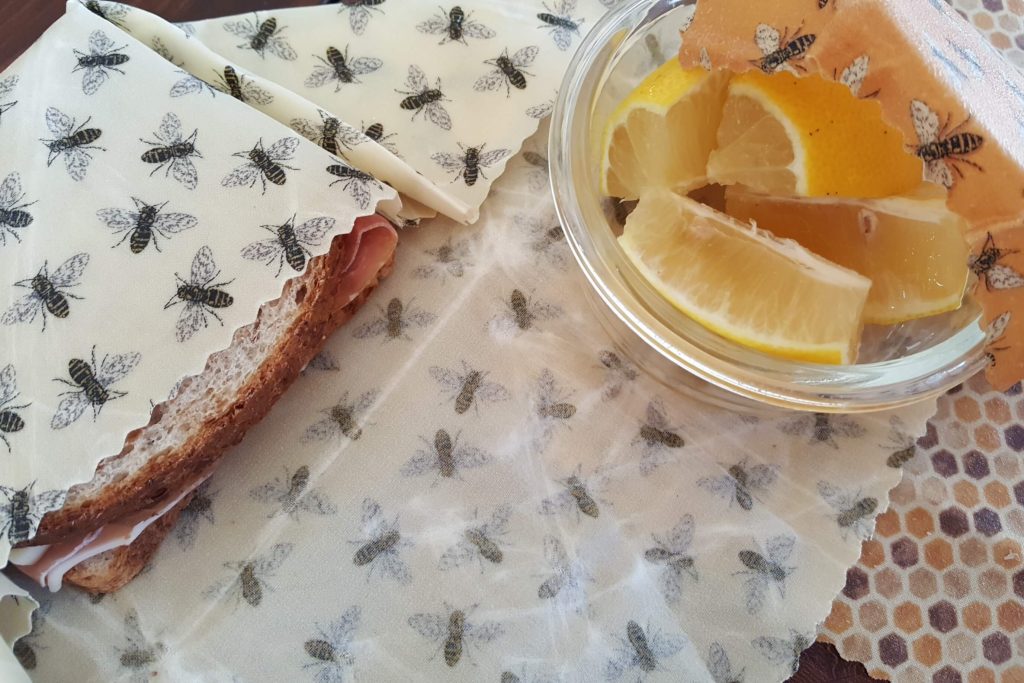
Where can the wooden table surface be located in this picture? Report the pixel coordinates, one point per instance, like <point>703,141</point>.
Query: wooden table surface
<point>23,21</point>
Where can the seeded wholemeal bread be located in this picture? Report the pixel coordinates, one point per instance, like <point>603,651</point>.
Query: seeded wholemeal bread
<point>212,411</point>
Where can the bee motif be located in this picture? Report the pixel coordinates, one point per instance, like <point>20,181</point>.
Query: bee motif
<point>174,152</point>
<point>741,483</point>
<point>781,52</point>
<point>538,178</point>
<point>341,419</point>
<point>200,507</point>
<point>985,265</point>
<point>341,69</point>
<point>469,164</point>
<point>705,59</point>
<point>161,49</point>
<point>200,294</point>
<point>7,86</point>
<point>25,648</point>
<point>785,652</point>
<point>940,148</point>
<point>423,99</point>
<point>656,437</point>
<point>446,456</point>
<point>853,513</point>
<point>331,134</point>
<point>853,76</point>
<point>90,385</point>
<point>103,58</point>
<point>380,545</point>
<point>263,164</point>
<point>566,584</point>
<point>577,494</point>
<point>141,226</point>
<point>241,87</point>
<point>49,292</point>
<point>451,258</point>
<point>139,653</point>
<point>899,439</point>
<point>479,541</point>
<point>559,22</point>
<point>541,111</point>
<point>292,495</point>
<point>189,85</point>
<point>468,387</point>
<point>331,647</point>
<point>454,631</point>
<point>324,362</point>
<point>375,132</point>
<point>508,71</point>
<point>720,667</point>
<point>21,514</point>
<point>673,551</point>
<point>248,581</point>
<point>823,428</point>
<point>766,569</point>
<point>455,25</point>
<point>996,330</point>
<point>618,373</point>
<point>290,243</point>
<point>395,321</point>
<point>10,421</point>
<point>644,650</point>
<point>520,314</point>
<point>359,13</point>
<point>357,183</point>
<point>111,11</point>
<point>72,142</point>
<point>552,402</point>
<point>262,37</point>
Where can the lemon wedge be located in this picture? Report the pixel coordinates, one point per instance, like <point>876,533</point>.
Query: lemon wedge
<point>744,284</point>
<point>662,133</point>
<point>786,135</point>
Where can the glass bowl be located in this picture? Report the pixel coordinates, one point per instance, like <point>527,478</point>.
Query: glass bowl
<point>898,364</point>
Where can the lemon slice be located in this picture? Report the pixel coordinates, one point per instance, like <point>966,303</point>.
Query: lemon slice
<point>744,284</point>
<point>911,248</point>
<point>809,137</point>
<point>662,133</point>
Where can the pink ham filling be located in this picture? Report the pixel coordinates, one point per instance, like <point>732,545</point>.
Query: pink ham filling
<point>366,249</point>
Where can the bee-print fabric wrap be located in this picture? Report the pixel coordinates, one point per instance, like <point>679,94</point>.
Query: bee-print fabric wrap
<point>137,232</point>
<point>946,88</point>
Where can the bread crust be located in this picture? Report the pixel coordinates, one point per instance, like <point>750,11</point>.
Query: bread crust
<point>321,312</point>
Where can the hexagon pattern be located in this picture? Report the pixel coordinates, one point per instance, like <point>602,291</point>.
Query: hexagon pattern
<point>938,595</point>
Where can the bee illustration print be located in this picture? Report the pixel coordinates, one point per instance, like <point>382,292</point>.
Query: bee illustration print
<point>103,58</point>
<point>72,142</point>
<point>450,258</point>
<point>560,24</point>
<point>263,164</point>
<point>899,439</point>
<point>13,216</point>
<point>548,242</point>
<point>323,362</point>
<point>445,456</point>
<point>380,545</point>
<point>541,111</point>
<point>423,99</point>
<point>741,483</point>
<point>720,667</point>
<point>566,585</point>
<point>986,266</point>
<point>248,581</point>
<point>200,295</point>
<point>642,649</point>
<point>395,322</point>
<point>782,651</point>
<point>357,183</point>
<point>339,68</point>
<point>764,569</point>
<point>330,133</point>
<point>853,76</point>
<point>455,25</point>
<point>241,87</point>
<point>538,175</point>
<point>508,71</point>
<point>26,648</point>
<point>21,513</point>
<point>10,419</point>
<point>853,512</point>
<point>192,515</point>
<point>469,387</point>
<point>138,653</point>
<point>656,437</point>
<point>142,225</point>
<point>375,132</point>
<point>470,162</point>
<point>359,13</point>
<point>781,52</point>
<point>49,292</point>
<point>341,419</point>
<point>618,373</point>
<point>113,12</point>
<point>290,243</point>
<point>91,385</point>
<point>262,37</point>
<point>160,47</point>
<point>823,428</point>
<point>521,313</point>
<point>672,551</point>
<point>942,149</point>
<point>578,494</point>
<point>995,331</point>
<point>293,495</point>
<point>190,85</point>
<point>552,402</point>
<point>480,542</point>
<point>173,152</point>
<point>330,649</point>
<point>454,631</point>
<point>7,86</point>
